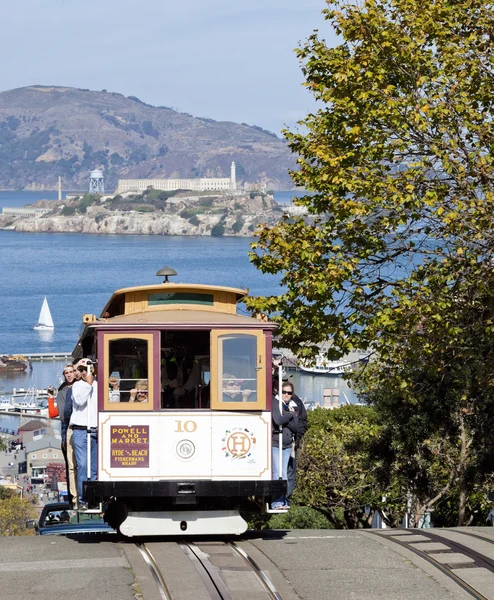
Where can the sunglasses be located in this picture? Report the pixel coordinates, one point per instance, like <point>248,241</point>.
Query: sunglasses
<point>81,369</point>
<point>287,392</point>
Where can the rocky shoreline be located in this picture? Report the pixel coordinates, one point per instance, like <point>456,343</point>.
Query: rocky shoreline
<point>225,215</point>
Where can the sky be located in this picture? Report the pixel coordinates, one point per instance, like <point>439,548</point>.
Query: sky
<point>229,60</point>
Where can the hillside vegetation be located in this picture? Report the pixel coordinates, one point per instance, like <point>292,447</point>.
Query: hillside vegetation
<point>48,131</point>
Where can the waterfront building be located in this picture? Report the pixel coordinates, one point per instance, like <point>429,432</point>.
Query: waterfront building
<point>42,452</point>
<point>203,184</point>
<point>35,430</point>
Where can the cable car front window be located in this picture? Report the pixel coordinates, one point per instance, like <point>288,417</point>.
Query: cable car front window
<point>128,370</point>
<point>238,368</point>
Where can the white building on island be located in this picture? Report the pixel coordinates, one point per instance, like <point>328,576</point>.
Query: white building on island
<point>216,184</point>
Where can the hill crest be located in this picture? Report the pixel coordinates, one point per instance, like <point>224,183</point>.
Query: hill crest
<point>51,131</point>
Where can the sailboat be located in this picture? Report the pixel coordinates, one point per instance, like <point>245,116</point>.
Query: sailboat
<point>45,322</point>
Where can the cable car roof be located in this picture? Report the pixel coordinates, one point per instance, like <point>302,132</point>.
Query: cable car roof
<point>184,318</point>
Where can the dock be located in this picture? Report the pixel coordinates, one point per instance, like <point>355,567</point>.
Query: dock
<point>40,356</point>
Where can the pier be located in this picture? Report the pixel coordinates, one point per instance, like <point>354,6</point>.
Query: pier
<point>40,356</point>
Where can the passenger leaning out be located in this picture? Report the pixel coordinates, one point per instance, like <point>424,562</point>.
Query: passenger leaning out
<point>83,422</point>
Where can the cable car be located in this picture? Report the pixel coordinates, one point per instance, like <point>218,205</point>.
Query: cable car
<point>184,410</point>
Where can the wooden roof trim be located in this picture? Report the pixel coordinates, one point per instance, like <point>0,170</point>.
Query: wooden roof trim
<point>171,286</point>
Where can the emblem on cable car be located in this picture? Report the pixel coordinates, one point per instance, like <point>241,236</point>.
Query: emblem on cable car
<point>185,449</point>
<point>238,442</point>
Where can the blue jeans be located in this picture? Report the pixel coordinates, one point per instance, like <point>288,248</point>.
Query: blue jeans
<point>79,438</point>
<point>291,472</point>
<point>285,455</point>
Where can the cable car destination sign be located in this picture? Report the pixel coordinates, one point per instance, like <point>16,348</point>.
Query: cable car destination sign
<point>129,446</point>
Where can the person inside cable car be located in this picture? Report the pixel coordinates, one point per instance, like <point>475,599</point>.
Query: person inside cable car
<point>180,377</point>
<point>232,391</point>
<point>140,392</point>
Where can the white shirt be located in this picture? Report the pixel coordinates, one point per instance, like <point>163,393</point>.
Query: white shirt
<point>85,404</point>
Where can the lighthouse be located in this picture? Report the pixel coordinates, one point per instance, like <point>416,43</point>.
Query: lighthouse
<point>233,179</point>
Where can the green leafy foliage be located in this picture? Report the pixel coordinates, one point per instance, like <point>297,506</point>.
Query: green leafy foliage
<point>218,230</point>
<point>300,517</point>
<point>86,201</point>
<point>14,512</point>
<point>399,162</point>
<point>237,225</point>
<point>68,211</point>
<point>337,471</point>
<point>396,256</point>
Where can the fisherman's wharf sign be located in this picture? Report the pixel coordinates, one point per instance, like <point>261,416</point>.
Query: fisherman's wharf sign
<point>129,446</point>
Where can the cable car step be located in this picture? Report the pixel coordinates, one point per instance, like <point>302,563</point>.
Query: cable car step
<point>92,511</point>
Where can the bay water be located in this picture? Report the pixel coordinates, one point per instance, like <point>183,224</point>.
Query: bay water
<point>78,273</point>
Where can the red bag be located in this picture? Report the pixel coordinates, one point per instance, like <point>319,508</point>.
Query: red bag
<point>52,408</point>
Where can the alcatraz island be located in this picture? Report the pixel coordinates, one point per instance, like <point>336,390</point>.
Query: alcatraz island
<point>207,206</point>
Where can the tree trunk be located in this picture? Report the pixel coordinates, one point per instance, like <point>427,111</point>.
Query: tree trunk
<point>462,500</point>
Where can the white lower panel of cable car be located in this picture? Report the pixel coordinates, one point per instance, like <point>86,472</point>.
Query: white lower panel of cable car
<point>208,522</point>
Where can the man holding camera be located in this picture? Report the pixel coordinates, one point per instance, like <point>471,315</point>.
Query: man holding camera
<point>83,423</point>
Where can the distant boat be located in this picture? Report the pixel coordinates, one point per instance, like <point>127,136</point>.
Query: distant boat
<point>323,366</point>
<point>10,364</point>
<point>45,322</point>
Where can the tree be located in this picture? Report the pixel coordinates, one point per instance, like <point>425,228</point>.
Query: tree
<point>396,255</point>
<point>435,395</point>
<point>14,512</point>
<point>399,158</point>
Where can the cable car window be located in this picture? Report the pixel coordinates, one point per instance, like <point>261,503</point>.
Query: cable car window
<point>185,369</point>
<point>238,371</point>
<point>180,298</point>
<point>128,376</point>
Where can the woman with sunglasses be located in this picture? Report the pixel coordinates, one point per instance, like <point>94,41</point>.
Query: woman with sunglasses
<point>140,392</point>
<point>287,421</point>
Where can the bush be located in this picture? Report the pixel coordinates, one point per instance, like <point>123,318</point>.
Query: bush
<point>206,201</point>
<point>300,517</point>
<point>194,220</point>
<point>237,226</point>
<point>68,211</point>
<point>218,230</point>
<point>14,512</point>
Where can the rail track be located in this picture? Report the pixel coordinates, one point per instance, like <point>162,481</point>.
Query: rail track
<point>471,569</point>
<point>225,569</point>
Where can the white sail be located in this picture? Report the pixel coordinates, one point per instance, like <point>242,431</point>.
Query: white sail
<point>45,321</point>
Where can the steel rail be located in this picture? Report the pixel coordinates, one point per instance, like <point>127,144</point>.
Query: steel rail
<point>207,571</point>
<point>258,572</point>
<point>478,557</point>
<point>155,571</point>
<point>489,540</point>
<point>431,560</point>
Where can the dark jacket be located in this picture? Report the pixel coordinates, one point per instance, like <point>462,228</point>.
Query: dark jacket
<point>64,405</point>
<point>287,419</point>
<point>301,413</point>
